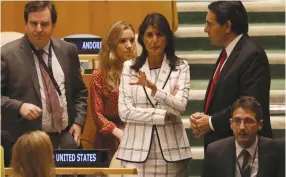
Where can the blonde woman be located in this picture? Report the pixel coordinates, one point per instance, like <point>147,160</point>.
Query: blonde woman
<point>118,46</point>
<point>32,155</point>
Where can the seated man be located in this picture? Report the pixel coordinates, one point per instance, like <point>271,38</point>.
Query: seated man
<point>246,154</point>
<point>281,151</point>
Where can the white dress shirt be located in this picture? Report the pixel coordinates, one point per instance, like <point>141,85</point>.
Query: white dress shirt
<point>253,150</point>
<point>47,122</point>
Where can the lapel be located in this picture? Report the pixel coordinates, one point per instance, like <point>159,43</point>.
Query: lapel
<point>146,68</point>
<point>263,153</point>
<point>60,56</point>
<point>162,77</point>
<point>211,79</point>
<point>228,64</point>
<point>164,73</point>
<point>230,158</point>
<point>60,52</point>
<point>27,55</point>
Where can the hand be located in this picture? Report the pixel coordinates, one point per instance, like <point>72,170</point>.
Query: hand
<point>75,131</point>
<point>200,124</point>
<point>193,120</point>
<point>30,111</point>
<point>203,125</point>
<point>170,117</point>
<point>142,80</point>
<point>175,90</point>
<point>118,133</point>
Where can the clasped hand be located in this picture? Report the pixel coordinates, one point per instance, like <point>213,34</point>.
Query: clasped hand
<point>200,124</point>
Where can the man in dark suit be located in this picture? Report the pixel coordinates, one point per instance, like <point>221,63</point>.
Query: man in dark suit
<point>280,142</point>
<point>245,154</point>
<point>241,70</point>
<point>41,83</point>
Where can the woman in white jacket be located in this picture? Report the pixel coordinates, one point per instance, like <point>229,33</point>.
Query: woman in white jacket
<point>153,93</point>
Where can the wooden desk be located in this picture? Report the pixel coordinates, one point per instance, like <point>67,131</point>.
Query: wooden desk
<point>88,171</point>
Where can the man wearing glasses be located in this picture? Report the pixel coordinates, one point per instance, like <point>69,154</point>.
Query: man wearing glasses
<point>246,154</point>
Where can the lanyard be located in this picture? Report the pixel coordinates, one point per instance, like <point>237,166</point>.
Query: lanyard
<point>48,68</point>
<point>253,158</point>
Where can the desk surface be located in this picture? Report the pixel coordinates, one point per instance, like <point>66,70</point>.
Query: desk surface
<point>88,171</point>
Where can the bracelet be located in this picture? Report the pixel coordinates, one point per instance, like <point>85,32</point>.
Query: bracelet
<point>146,83</point>
<point>150,85</point>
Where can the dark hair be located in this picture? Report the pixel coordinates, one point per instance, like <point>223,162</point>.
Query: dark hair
<point>234,11</point>
<point>37,6</point>
<point>248,103</point>
<point>159,21</point>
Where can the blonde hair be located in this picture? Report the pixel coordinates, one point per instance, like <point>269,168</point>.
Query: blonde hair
<point>32,156</point>
<point>109,62</point>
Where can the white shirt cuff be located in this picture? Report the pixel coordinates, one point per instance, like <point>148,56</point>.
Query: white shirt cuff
<point>210,122</point>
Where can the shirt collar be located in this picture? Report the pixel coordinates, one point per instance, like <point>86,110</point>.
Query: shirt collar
<point>231,45</point>
<point>46,48</point>
<point>251,149</point>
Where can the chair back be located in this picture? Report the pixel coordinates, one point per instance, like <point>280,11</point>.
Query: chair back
<point>10,36</point>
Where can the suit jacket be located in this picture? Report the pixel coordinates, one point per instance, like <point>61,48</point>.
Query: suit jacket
<point>280,142</point>
<point>143,119</point>
<point>245,73</point>
<point>220,158</point>
<point>20,84</point>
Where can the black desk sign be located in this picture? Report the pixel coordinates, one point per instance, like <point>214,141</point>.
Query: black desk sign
<point>80,157</point>
<point>85,43</point>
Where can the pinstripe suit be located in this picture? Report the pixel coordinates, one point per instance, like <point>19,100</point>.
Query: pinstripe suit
<point>142,119</point>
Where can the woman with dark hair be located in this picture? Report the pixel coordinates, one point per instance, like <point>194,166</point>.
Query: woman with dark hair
<point>153,93</point>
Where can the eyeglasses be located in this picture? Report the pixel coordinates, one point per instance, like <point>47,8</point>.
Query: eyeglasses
<point>247,121</point>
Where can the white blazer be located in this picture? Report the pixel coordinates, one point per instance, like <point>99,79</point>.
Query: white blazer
<point>142,118</point>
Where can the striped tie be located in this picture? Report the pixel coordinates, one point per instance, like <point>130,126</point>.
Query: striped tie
<point>52,99</point>
<point>245,165</point>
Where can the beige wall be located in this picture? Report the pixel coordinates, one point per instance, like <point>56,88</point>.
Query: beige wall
<point>86,17</point>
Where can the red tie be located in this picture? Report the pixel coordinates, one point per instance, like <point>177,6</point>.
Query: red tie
<point>222,59</point>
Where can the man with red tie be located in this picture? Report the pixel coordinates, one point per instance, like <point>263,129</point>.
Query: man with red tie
<point>242,69</point>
